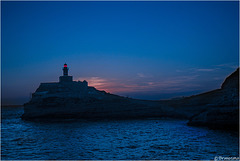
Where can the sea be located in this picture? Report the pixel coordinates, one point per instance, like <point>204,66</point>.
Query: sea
<point>135,139</point>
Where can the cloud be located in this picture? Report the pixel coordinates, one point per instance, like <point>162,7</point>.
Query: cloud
<point>117,86</point>
<point>206,70</point>
<point>196,70</point>
<point>228,65</point>
<point>178,70</point>
<point>98,82</point>
<point>141,75</point>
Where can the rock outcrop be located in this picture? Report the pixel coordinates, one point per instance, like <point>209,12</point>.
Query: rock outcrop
<point>216,109</point>
<point>223,111</point>
<point>95,104</point>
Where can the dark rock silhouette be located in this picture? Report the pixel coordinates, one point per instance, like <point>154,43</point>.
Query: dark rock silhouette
<point>223,112</point>
<point>71,99</point>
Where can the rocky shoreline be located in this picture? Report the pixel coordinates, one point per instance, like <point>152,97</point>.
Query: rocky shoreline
<point>223,113</point>
<point>216,109</point>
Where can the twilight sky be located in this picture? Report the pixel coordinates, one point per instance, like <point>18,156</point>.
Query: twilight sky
<point>148,50</point>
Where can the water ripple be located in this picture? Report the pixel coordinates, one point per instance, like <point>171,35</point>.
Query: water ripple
<point>115,139</point>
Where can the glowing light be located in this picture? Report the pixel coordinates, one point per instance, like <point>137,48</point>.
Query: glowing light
<point>65,65</point>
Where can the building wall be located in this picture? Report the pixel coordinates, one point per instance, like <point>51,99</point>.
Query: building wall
<point>65,79</point>
<point>62,89</point>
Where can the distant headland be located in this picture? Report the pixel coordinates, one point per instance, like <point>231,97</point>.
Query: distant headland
<point>75,99</point>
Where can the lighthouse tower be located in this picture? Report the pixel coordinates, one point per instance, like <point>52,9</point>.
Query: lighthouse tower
<point>65,77</point>
<point>65,70</point>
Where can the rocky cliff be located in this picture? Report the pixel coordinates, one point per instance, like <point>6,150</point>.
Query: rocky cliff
<point>222,112</point>
<point>217,108</point>
<point>95,104</point>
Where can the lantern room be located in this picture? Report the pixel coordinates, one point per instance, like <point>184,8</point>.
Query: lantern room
<point>65,70</point>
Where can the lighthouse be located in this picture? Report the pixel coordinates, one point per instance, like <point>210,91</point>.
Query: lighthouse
<point>65,77</point>
<point>65,70</point>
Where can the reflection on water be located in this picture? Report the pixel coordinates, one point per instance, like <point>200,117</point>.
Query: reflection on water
<point>115,139</point>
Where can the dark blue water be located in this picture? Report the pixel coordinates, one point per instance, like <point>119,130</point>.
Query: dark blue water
<point>116,139</point>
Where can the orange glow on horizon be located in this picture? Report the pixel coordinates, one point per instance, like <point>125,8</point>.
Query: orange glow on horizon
<point>111,86</point>
<point>116,86</point>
